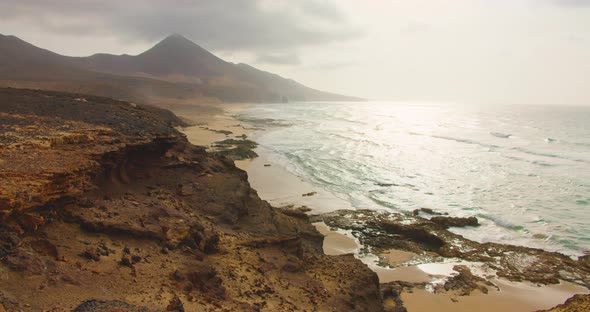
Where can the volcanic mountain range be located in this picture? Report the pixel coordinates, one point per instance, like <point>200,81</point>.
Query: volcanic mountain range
<point>174,71</point>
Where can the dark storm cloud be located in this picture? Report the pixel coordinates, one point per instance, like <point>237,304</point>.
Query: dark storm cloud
<point>220,24</point>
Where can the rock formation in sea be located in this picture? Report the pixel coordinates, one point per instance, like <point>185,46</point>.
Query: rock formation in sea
<point>380,231</point>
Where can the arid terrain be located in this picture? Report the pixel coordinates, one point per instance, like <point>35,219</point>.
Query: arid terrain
<point>106,207</point>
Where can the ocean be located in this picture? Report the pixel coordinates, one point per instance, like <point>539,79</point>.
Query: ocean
<point>523,171</point>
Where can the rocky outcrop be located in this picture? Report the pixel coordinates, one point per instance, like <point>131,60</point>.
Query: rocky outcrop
<point>103,214</point>
<point>236,149</point>
<point>448,222</point>
<point>380,231</point>
<point>108,306</point>
<point>40,129</point>
<point>237,153</point>
<point>465,282</point>
<point>391,295</point>
<point>577,303</point>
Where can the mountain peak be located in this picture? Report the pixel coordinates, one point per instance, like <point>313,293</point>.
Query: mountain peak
<point>177,36</point>
<point>177,41</point>
<point>178,55</point>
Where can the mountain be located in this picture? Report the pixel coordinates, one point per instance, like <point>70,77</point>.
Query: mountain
<point>175,55</point>
<point>174,71</point>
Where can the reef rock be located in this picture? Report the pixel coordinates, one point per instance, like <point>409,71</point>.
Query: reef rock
<point>448,222</point>
<point>381,231</point>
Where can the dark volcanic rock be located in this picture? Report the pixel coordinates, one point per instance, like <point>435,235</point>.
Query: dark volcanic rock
<point>233,142</point>
<point>383,231</point>
<point>91,254</point>
<point>585,261</point>
<point>207,281</point>
<point>427,211</point>
<point>238,153</point>
<point>448,222</point>
<point>94,305</point>
<point>464,282</point>
<point>175,305</point>
<point>124,117</point>
<point>392,301</point>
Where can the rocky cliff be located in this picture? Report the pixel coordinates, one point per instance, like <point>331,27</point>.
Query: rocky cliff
<point>106,207</point>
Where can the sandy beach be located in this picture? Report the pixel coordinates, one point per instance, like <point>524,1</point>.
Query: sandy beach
<point>209,123</point>
<point>281,188</point>
<point>272,182</point>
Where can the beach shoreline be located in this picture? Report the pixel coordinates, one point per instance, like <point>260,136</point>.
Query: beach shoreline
<point>281,188</point>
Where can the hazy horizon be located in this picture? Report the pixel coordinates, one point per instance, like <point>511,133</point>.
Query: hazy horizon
<point>505,52</point>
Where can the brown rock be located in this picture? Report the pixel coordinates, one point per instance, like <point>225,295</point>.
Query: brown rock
<point>175,304</point>
<point>44,247</point>
<point>208,282</point>
<point>31,221</point>
<point>25,261</point>
<point>94,305</point>
<point>392,302</point>
<point>577,303</point>
<point>126,261</point>
<point>186,190</point>
<point>585,261</point>
<point>293,265</point>
<point>91,254</point>
<point>455,221</point>
<point>464,283</point>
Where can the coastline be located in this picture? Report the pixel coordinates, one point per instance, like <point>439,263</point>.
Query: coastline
<point>123,213</point>
<point>273,183</point>
<point>281,188</point>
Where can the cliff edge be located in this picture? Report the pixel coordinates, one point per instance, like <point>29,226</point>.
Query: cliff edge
<point>104,206</point>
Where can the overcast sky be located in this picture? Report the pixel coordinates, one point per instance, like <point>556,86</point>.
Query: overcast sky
<point>472,51</point>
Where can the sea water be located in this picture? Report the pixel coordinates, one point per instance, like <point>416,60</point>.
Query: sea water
<point>523,171</point>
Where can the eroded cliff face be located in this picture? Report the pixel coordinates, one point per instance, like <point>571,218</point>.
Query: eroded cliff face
<point>105,207</point>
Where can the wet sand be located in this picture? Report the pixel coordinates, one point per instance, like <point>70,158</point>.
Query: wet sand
<point>336,243</point>
<point>206,123</point>
<point>273,183</point>
<point>281,188</point>
<point>511,297</point>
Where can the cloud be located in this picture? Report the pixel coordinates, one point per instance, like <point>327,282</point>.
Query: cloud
<point>279,59</point>
<point>414,27</point>
<point>332,66</point>
<point>221,24</point>
<point>570,3</point>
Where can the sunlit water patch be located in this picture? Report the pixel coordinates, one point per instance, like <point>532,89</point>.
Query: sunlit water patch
<point>524,171</point>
